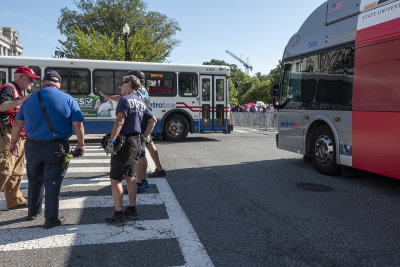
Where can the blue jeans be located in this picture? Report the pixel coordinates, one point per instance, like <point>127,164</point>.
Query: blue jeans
<point>43,168</point>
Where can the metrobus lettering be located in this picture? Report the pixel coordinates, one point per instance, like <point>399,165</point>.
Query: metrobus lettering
<point>290,125</point>
<point>162,105</point>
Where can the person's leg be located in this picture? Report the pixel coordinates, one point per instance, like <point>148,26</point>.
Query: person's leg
<point>132,190</point>
<point>117,172</point>
<point>12,188</point>
<point>131,212</point>
<point>53,176</point>
<point>117,193</point>
<point>154,155</point>
<point>141,168</point>
<point>131,184</point>
<point>159,172</point>
<point>34,171</point>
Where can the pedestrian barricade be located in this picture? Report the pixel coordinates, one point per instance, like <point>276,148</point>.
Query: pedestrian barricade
<point>254,119</point>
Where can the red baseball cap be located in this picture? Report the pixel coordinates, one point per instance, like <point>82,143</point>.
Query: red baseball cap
<point>27,71</point>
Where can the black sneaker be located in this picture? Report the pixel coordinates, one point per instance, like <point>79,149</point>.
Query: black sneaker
<point>53,223</point>
<point>157,173</point>
<point>131,213</point>
<point>115,220</point>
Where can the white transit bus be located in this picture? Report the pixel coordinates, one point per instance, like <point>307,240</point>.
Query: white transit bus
<point>184,98</point>
<point>339,94</point>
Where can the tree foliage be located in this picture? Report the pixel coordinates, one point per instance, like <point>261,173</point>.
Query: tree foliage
<point>88,28</point>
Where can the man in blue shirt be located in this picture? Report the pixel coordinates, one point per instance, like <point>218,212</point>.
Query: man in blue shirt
<point>130,111</point>
<point>44,155</point>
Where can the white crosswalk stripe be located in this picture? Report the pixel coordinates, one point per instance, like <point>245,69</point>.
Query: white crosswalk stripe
<point>176,226</point>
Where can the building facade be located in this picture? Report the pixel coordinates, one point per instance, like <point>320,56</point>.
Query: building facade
<point>9,42</point>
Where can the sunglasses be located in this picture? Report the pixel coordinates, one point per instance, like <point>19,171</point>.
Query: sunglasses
<point>124,82</point>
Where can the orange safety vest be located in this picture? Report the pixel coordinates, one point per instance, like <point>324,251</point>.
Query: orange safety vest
<point>13,112</point>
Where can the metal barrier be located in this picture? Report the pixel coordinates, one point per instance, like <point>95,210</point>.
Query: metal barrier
<point>254,119</point>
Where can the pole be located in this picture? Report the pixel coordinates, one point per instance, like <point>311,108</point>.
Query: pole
<point>127,53</point>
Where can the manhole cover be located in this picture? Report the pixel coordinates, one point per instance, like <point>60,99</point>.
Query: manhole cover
<point>315,187</point>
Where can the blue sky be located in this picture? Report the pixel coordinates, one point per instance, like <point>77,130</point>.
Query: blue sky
<point>258,29</point>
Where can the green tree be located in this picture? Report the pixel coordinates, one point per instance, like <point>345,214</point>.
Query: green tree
<point>97,20</point>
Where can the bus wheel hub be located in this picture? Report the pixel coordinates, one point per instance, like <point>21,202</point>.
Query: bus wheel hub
<point>175,128</point>
<point>324,149</point>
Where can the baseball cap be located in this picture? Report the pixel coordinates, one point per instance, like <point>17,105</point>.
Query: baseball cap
<point>51,73</point>
<point>27,71</point>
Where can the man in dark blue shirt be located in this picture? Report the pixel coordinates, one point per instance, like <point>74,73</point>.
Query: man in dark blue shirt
<point>44,154</point>
<point>130,111</point>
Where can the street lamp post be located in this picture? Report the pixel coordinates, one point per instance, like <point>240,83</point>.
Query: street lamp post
<point>126,30</point>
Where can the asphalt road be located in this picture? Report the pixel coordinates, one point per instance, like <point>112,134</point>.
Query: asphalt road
<point>228,200</point>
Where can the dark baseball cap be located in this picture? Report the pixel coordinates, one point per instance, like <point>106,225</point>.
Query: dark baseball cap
<point>27,71</point>
<point>50,74</point>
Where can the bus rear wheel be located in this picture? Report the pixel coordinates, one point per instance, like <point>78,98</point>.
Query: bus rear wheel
<point>176,128</point>
<point>323,155</point>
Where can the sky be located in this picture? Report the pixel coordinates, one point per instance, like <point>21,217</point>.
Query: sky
<point>255,29</point>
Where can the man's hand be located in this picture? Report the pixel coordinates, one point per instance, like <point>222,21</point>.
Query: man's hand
<point>14,149</point>
<point>110,148</point>
<point>79,151</point>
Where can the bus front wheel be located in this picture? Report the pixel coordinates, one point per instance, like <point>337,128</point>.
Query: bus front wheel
<point>323,155</point>
<point>176,128</point>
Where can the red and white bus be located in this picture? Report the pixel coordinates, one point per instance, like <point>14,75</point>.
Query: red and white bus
<point>184,98</point>
<point>339,95</point>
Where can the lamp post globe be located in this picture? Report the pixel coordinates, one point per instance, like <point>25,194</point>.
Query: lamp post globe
<point>126,31</point>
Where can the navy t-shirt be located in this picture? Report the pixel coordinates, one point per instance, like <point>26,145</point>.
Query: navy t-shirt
<point>135,111</point>
<point>61,108</point>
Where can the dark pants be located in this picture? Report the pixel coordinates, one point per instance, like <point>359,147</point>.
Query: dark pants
<point>43,168</point>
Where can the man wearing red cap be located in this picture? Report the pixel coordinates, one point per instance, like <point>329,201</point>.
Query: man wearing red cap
<point>11,97</point>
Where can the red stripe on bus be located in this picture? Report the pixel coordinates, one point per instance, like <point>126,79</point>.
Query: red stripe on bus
<point>379,32</point>
<point>376,146</point>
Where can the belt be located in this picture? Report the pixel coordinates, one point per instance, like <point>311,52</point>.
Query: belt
<point>45,141</point>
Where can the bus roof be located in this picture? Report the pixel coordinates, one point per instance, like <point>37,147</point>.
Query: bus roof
<point>108,64</point>
<point>333,23</point>
<point>325,28</point>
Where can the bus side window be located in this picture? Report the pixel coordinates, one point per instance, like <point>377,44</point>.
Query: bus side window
<point>161,83</point>
<point>188,84</point>
<point>220,90</point>
<point>79,82</point>
<point>104,81</point>
<point>285,83</point>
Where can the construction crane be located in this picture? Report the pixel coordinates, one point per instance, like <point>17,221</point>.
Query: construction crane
<point>246,65</point>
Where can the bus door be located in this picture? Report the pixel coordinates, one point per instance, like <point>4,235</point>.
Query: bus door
<point>219,103</point>
<point>206,117</point>
<point>3,76</point>
<point>290,117</point>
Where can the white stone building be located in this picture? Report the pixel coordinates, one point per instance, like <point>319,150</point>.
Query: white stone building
<point>9,42</point>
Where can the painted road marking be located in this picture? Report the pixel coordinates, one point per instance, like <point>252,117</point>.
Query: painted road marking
<point>98,201</point>
<point>177,226</point>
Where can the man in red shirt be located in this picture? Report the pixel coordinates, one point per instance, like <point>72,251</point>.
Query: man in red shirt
<point>11,97</point>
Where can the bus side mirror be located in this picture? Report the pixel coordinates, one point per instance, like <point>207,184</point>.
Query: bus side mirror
<point>275,90</point>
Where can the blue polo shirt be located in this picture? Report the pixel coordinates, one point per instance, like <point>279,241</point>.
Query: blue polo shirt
<point>61,108</point>
<point>135,111</point>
